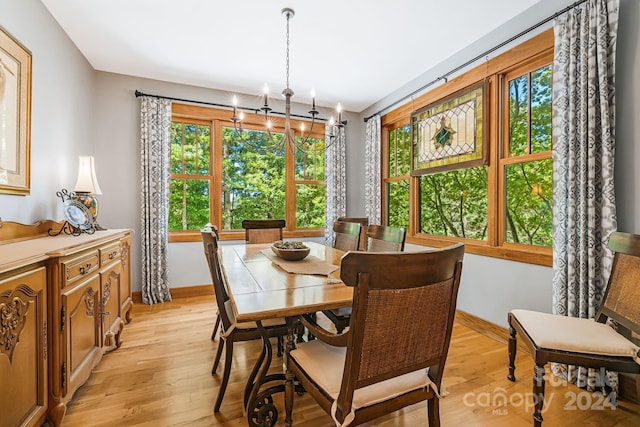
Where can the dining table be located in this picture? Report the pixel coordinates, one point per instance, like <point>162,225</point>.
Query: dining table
<point>263,286</point>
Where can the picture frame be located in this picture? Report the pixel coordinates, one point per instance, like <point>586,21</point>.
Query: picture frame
<point>15,116</point>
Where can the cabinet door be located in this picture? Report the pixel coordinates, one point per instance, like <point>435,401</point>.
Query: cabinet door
<point>23,348</point>
<point>110,302</point>
<point>80,332</point>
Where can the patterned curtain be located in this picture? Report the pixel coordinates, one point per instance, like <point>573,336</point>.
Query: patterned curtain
<point>372,196</point>
<point>335,180</point>
<point>155,127</point>
<point>583,158</point>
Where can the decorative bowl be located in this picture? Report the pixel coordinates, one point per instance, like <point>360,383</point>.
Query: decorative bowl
<point>290,253</point>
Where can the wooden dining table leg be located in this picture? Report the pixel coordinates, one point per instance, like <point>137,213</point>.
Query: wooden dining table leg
<point>292,324</point>
<point>261,411</point>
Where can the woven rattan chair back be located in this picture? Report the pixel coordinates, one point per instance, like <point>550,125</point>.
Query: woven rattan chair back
<point>381,238</point>
<point>346,235</point>
<point>263,230</point>
<point>622,299</point>
<point>403,311</point>
<point>364,223</point>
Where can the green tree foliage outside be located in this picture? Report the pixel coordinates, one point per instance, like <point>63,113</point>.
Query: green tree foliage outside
<point>398,204</point>
<point>253,178</point>
<point>529,185</point>
<point>189,196</point>
<point>454,203</point>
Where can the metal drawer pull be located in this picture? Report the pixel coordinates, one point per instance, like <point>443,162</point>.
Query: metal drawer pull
<point>113,254</point>
<point>86,269</point>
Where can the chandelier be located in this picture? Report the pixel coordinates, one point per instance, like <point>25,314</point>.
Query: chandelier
<point>305,142</point>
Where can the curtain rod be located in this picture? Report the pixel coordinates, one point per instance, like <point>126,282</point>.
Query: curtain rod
<point>256,110</point>
<point>482,55</point>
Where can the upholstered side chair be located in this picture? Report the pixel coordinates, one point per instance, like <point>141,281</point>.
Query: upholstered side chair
<point>601,343</point>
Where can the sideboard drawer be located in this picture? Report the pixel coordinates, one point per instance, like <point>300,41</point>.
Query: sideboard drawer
<point>81,266</point>
<point>109,254</point>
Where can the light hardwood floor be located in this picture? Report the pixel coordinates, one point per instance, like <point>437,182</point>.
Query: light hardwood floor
<point>161,377</point>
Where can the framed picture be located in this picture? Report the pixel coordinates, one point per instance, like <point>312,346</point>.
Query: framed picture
<point>15,115</point>
<point>450,133</point>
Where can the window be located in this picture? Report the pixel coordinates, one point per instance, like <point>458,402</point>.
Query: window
<point>526,160</point>
<point>396,181</point>
<point>498,202</point>
<point>221,177</point>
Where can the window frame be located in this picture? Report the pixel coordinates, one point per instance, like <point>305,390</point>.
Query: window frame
<point>217,119</point>
<point>537,50</point>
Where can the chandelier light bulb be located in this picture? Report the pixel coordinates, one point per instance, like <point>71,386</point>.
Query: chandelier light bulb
<point>235,101</point>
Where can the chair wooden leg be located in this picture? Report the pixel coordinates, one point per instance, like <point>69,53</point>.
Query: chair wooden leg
<point>228,360</point>
<point>433,414</point>
<point>288,398</point>
<point>538,394</point>
<point>280,345</point>
<point>215,328</point>
<point>218,354</point>
<point>513,347</point>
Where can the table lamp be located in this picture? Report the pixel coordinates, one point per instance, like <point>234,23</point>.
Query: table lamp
<point>87,186</point>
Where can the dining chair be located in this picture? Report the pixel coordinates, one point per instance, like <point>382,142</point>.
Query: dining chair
<point>263,230</point>
<point>394,353</point>
<point>346,235</point>
<point>379,238</point>
<point>601,344</point>
<point>382,238</point>
<point>364,223</point>
<point>216,325</point>
<point>232,331</point>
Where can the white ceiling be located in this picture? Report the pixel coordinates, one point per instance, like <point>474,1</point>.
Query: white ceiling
<point>350,51</point>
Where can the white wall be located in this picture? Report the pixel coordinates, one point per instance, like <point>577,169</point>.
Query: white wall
<point>80,111</point>
<point>61,110</point>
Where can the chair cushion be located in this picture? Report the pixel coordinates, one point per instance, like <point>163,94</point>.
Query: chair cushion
<point>552,331</point>
<point>325,365</point>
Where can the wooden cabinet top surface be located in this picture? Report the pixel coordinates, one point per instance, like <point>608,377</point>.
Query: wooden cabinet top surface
<point>16,254</point>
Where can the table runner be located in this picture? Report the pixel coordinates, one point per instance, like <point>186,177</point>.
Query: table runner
<point>309,265</point>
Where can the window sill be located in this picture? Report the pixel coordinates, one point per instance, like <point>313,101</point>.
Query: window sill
<point>512,252</point>
<point>194,236</point>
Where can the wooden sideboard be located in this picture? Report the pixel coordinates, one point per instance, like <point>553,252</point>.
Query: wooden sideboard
<point>64,301</point>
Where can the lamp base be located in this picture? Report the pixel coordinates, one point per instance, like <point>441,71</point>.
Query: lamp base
<point>91,203</point>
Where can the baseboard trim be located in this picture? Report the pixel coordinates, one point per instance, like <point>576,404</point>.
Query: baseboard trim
<point>182,292</point>
<point>486,328</point>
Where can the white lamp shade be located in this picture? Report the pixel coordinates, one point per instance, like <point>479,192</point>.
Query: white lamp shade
<point>87,181</point>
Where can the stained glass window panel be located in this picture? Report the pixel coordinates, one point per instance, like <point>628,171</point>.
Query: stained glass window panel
<point>449,133</point>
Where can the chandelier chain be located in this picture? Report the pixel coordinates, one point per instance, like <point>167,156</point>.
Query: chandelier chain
<point>288,16</point>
